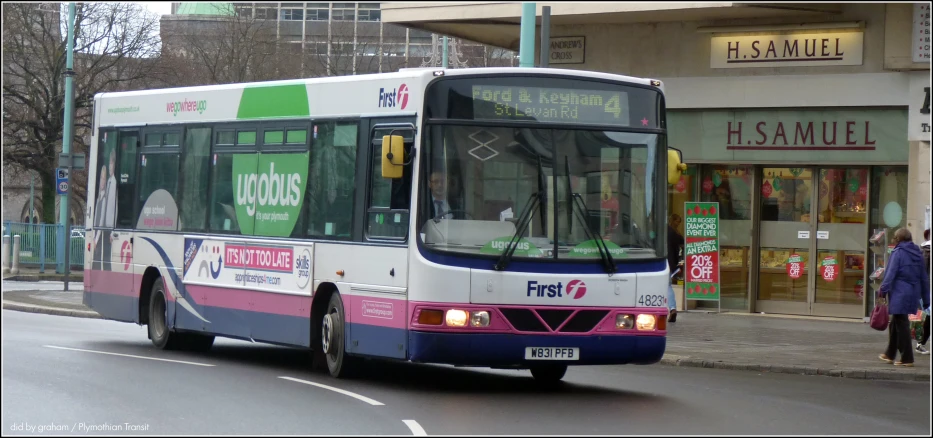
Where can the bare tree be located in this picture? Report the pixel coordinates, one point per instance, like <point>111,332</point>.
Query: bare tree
<point>224,49</point>
<point>115,48</point>
<point>345,48</point>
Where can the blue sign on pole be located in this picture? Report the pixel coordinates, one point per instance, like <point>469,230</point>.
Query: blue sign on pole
<point>61,181</point>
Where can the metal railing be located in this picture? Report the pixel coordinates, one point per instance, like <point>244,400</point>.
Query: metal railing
<point>39,244</point>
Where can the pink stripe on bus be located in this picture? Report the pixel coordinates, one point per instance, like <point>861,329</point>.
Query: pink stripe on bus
<point>251,301</point>
<point>113,283</point>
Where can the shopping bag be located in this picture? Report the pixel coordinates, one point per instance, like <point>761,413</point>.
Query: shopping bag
<point>879,316</point>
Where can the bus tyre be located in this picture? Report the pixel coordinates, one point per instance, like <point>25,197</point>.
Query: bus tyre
<point>333,344</point>
<point>159,333</point>
<point>549,374</point>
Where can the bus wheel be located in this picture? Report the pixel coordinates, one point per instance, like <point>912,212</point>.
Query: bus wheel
<point>549,374</point>
<point>333,329</point>
<point>161,337</point>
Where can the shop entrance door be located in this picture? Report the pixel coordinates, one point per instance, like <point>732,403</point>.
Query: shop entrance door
<point>811,254</point>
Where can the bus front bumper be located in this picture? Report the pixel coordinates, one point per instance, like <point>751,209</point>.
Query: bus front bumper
<point>509,350</point>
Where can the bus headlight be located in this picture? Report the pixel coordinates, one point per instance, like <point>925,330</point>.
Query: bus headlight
<point>624,322</point>
<point>646,322</point>
<point>456,318</point>
<point>479,319</point>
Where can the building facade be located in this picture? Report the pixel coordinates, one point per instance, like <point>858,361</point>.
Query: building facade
<point>809,125</point>
<point>332,39</point>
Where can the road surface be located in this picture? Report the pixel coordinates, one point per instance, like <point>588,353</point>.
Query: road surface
<point>78,374</point>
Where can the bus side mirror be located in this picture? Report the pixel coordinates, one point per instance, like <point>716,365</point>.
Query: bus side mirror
<point>675,168</point>
<point>393,156</point>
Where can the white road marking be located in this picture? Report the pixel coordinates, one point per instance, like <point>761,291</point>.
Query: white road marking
<point>331,388</point>
<point>416,428</point>
<point>130,355</point>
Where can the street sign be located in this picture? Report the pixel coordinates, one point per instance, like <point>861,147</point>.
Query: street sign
<point>61,181</point>
<point>77,161</point>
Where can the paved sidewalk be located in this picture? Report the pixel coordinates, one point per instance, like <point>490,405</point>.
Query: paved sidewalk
<point>838,348</point>
<point>31,273</point>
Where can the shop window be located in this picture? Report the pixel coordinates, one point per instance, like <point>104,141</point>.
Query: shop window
<point>841,235</point>
<point>785,210</point>
<point>888,200</point>
<point>731,187</point>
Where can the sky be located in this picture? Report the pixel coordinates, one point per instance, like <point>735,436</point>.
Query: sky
<point>161,8</point>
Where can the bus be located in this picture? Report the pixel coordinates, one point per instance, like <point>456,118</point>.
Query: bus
<point>510,218</point>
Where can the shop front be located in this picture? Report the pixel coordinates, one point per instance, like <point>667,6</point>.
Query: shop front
<point>800,192</point>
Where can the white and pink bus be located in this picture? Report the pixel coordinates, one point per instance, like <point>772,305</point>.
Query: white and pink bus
<point>506,218</point>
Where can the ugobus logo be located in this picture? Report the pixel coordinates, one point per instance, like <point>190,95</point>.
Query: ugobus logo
<point>575,289</point>
<point>254,190</point>
<point>391,99</point>
<point>500,245</point>
<point>186,106</point>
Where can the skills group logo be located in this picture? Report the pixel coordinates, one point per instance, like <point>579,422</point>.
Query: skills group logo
<point>576,289</point>
<point>303,269</point>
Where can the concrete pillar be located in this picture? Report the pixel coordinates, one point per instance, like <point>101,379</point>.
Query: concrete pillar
<point>918,188</point>
<point>6,254</point>
<point>14,269</point>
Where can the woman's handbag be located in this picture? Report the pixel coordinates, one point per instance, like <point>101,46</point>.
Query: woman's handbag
<point>879,316</point>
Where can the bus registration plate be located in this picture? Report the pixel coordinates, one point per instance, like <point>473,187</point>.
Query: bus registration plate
<point>552,353</point>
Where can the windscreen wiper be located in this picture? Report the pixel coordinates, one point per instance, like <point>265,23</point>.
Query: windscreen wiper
<point>523,221</point>
<point>608,263</point>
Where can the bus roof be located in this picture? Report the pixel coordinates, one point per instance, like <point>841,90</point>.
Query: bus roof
<point>374,95</point>
<point>422,72</point>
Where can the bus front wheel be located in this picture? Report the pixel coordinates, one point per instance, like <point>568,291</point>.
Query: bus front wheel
<point>333,331</point>
<point>549,374</point>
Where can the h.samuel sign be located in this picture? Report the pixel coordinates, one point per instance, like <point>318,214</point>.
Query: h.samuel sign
<point>786,50</point>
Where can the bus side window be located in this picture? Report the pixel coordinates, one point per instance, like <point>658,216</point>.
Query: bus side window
<point>125,176</point>
<point>390,199</point>
<point>331,181</point>
<point>195,171</point>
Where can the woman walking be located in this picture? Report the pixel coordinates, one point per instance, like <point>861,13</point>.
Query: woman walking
<point>905,285</point>
<point>925,246</point>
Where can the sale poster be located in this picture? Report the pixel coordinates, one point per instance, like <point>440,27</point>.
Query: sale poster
<point>828,268</point>
<point>701,251</point>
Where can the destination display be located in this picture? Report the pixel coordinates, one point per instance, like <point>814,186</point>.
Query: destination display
<point>546,104</point>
